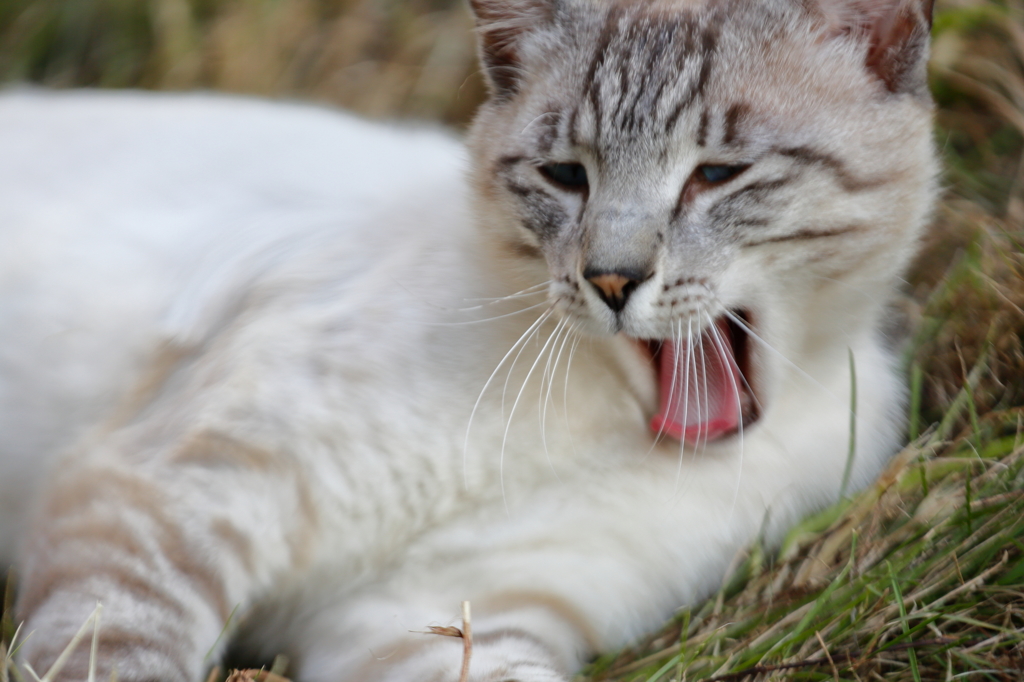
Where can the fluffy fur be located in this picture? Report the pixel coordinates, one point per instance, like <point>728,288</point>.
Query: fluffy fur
<point>298,367</point>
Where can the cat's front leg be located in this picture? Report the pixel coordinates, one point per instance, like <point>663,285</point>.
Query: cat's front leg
<point>170,539</point>
<point>390,634</point>
<point>574,568</point>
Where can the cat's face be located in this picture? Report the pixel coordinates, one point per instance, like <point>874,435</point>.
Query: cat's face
<point>701,170</point>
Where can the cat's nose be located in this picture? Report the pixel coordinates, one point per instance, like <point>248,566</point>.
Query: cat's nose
<point>614,288</point>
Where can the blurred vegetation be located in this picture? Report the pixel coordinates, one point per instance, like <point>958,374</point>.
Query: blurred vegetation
<point>379,57</point>
<point>921,577</point>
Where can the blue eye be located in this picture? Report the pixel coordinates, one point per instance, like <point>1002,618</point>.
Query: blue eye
<point>572,175</point>
<point>714,174</point>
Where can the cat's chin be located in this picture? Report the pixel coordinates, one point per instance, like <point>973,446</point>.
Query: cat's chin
<point>706,387</point>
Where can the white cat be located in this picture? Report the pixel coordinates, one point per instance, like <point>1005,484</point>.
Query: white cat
<point>300,372</point>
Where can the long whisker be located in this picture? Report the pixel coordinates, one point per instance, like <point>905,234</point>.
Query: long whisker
<point>525,335</point>
<point>544,115</point>
<point>727,359</point>
<point>675,341</point>
<point>705,415</point>
<point>690,358</point>
<point>750,332</point>
<point>488,319</point>
<point>565,390</point>
<point>546,380</point>
<point>511,369</point>
<point>695,340</point>
<point>511,415</point>
<point>569,331</point>
<point>528,291</point>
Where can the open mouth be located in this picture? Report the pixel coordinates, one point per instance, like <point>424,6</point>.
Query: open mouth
<point>706,391</point>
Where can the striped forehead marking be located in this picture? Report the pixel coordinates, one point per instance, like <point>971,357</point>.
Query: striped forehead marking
<point>646,71</point>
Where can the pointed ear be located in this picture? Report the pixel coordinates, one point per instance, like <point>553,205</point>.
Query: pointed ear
<point>897,33</point>
<point>501,27</point>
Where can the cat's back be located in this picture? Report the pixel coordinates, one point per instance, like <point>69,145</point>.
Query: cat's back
<point>131,220</point>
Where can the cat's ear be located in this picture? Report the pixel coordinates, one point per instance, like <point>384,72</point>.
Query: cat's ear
<point>501,26</point>
<point>897,33</point>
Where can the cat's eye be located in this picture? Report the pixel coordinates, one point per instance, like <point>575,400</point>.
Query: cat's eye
<point>715,173</point>
<point>569,175</point>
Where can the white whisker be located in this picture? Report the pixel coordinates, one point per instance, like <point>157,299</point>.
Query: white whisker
<point>565,391</point>
<point>488,319</point>
<point>511,415</point>
<point>569,331</point>
<point>528,291</point>
<point>690,358</point>
<point>526,334</point>
<point>545,382</point>
<point>676,341</point>
<point>677,344</point>
<point>705,414</point>
<point>544,115</point>
<point>725,357</point>
<point>508,375</point>
<point>750,332</point>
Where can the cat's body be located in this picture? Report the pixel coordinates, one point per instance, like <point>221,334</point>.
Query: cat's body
<point>282,327</point>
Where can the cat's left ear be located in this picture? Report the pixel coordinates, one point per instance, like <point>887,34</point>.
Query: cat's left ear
<point>501,26</point>
<point>897,33</point>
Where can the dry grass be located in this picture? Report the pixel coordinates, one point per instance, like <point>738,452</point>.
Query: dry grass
<point>920,577</point>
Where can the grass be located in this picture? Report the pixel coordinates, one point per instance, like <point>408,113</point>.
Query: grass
<point>921,576</point>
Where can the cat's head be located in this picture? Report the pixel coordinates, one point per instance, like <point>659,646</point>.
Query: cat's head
<point>722,167</point>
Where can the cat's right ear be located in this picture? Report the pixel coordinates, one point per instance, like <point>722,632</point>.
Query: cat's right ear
<point>501,26</point>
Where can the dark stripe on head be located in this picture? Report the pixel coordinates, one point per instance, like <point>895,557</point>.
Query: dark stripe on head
<point>801,235</point>
<point>702,128</point>
<point>573,133</point>
<point>654,39</point>
<point>733,117</point>
<point>590,85</point>
<point>506,162</point>
<point>549,133</point>
<point>708,45</point>
<point>733,209</point>
<point>849,182</point>
<point>519,190</point>
<point>758,191</point>
<point>541,213</point>
<point>750,222</point>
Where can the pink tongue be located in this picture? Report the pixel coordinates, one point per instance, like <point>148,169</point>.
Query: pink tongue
<point>700,388</point>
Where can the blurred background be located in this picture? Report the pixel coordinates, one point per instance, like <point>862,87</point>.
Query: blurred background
<point>378,57</point>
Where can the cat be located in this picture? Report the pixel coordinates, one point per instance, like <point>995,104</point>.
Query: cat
<point>317,381</point>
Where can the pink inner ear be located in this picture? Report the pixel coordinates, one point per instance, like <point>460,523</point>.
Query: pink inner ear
<point>501,25</point>
<point>897,32</point>
<point>876,18</point>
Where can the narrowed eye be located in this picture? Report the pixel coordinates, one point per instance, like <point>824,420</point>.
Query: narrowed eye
<point>716,173</point>
<point>571,175</point>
